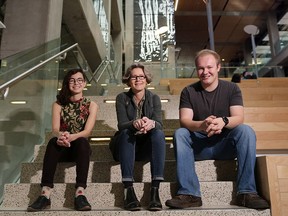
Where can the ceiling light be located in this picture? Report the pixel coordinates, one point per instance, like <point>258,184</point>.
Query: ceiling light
<point>176,5</point>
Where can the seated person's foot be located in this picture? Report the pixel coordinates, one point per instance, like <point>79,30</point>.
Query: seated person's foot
<point>40,204</point>
<point>184,201</point>
<point>155,203</point>
<point>131,202</point>
<point>251,200</point>
<point>81,203</point>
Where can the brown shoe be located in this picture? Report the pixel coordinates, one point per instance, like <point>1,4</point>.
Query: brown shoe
<point>251,200</point>
<point>184,201</point>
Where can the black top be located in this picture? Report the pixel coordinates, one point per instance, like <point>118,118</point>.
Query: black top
<point>217,102</point>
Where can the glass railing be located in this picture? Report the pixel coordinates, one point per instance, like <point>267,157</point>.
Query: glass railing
<point>188,71</point>
<point>15,65</point>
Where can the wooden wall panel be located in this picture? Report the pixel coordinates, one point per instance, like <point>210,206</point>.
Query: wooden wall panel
<point>272,179</point>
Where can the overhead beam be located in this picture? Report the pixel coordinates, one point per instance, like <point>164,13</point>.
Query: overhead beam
<point>221,13</point>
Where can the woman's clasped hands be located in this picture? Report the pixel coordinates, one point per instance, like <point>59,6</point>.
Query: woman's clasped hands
<point>143,125</point>
<point>63,139</point>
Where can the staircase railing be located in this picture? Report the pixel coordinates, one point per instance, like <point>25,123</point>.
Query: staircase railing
<point>4,88</point>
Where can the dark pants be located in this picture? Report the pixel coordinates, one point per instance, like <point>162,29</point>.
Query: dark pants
<point>79,152</point>
<point>146,147</point>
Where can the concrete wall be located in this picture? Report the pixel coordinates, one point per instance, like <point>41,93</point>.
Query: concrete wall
<point>30,23</point>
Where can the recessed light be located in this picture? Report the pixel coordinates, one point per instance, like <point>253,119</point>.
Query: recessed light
<point>18,102</point>
<point>109,101</point>
<point>164,100</point>
<point>100,139</point>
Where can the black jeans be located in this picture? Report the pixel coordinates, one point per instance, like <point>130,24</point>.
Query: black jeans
<point>79,152</point>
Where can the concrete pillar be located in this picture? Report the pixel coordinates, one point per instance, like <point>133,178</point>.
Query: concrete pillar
<point>107,7</point>
<point>247,53</point>
<point>129,33</point>
<point>117,33</point>
<point>81,20</point>
<point>30,23</point>
<point>274,41</point>
<point>273,34</point>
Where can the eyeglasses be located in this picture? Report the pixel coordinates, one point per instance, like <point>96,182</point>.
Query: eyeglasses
<point>79,81</point>
<point>138,77</point>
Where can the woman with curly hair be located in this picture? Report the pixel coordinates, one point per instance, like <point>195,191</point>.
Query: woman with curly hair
<point>140,136</point>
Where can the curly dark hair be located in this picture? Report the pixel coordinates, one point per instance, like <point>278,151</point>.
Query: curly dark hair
<point>64,95</point>
<point>126,76</point>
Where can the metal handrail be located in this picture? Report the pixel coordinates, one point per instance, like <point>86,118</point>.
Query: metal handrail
<point>97,70</point>
<point>6,85</point>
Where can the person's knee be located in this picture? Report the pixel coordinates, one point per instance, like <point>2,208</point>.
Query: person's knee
<point>181,132</point>
<point>124,132</point>
<point>124,135</point>
<point>82,145</point>
<point>246,129</point>
<point>159,134</point>
<point>182,140</point>
<point>249,137</point>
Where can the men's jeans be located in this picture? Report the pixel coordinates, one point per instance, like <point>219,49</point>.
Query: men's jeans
<point>145,147</point>
<point>239,142</point>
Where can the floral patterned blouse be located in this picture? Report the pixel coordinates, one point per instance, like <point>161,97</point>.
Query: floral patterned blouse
<point>74,115</point>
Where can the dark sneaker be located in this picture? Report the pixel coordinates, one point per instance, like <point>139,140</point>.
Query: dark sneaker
<point>251,200</point>
<point>81,203</point>
<point>40,204</point>
<point>184,201</point>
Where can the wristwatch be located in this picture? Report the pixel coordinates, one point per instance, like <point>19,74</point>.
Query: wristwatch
<point>226,120</point>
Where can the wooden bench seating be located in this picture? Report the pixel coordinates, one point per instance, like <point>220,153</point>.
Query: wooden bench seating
<point>265,93</point>
<point>266,114</point>
<point>176,85</point>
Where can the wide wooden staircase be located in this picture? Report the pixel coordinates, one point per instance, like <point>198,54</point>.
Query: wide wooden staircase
<point>266,110</point>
